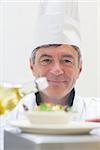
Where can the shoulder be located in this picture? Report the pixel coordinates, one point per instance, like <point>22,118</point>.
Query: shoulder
<point>87,99</point>
<point>86,102</point>
<point>16,113</point>
<point>28,100</point>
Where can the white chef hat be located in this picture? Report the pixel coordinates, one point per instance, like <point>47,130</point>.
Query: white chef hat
<point>57,23</point>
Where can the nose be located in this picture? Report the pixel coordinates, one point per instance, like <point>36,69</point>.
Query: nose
<point>56,69</point>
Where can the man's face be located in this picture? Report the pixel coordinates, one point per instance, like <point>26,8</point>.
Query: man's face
<point>61,68</point>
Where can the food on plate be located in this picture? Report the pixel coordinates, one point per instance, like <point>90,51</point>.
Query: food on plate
<point>51,107</point>
<point>48,113</point>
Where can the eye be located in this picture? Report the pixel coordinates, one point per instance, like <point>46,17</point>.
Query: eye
<point>45,61</point>
<point>67,61</point>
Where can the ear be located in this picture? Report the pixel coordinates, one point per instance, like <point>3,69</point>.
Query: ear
<point>80,70</point>
<point>31,66</point>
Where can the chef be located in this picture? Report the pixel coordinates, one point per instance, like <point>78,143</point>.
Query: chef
<point>56,55</point>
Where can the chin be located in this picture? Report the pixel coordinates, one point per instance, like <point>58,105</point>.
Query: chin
<point>56,94</point>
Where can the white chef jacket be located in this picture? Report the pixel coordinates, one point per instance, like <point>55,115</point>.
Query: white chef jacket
<point>87,107</point>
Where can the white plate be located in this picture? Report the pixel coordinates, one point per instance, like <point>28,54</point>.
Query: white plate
<point>70,128</point>
<point>50,117</point>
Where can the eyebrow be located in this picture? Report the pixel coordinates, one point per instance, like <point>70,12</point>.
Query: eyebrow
<point>63,56</point>
<point>45,55</point>
<point>68,56</point>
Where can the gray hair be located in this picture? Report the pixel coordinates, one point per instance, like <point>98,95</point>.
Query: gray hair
<point>33,54</point>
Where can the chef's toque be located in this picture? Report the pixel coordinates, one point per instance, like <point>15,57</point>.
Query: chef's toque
<point>57,23</point>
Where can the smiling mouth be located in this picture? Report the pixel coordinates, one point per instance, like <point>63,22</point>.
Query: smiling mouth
<point>56,81</point>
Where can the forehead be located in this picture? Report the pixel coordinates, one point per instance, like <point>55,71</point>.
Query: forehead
<point>57,51</point>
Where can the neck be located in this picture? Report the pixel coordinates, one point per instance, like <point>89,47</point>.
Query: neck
<point>60,101</point>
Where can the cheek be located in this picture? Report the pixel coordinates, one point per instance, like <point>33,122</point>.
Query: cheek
<point>41,71</point>
<point>72,74</point>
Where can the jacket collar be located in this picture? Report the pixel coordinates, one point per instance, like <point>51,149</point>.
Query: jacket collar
<point>69,101</point>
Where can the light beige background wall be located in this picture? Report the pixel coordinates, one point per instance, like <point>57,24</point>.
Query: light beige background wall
<point>16,35</point>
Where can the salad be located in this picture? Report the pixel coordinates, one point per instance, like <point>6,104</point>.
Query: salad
<point>49,107</point>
